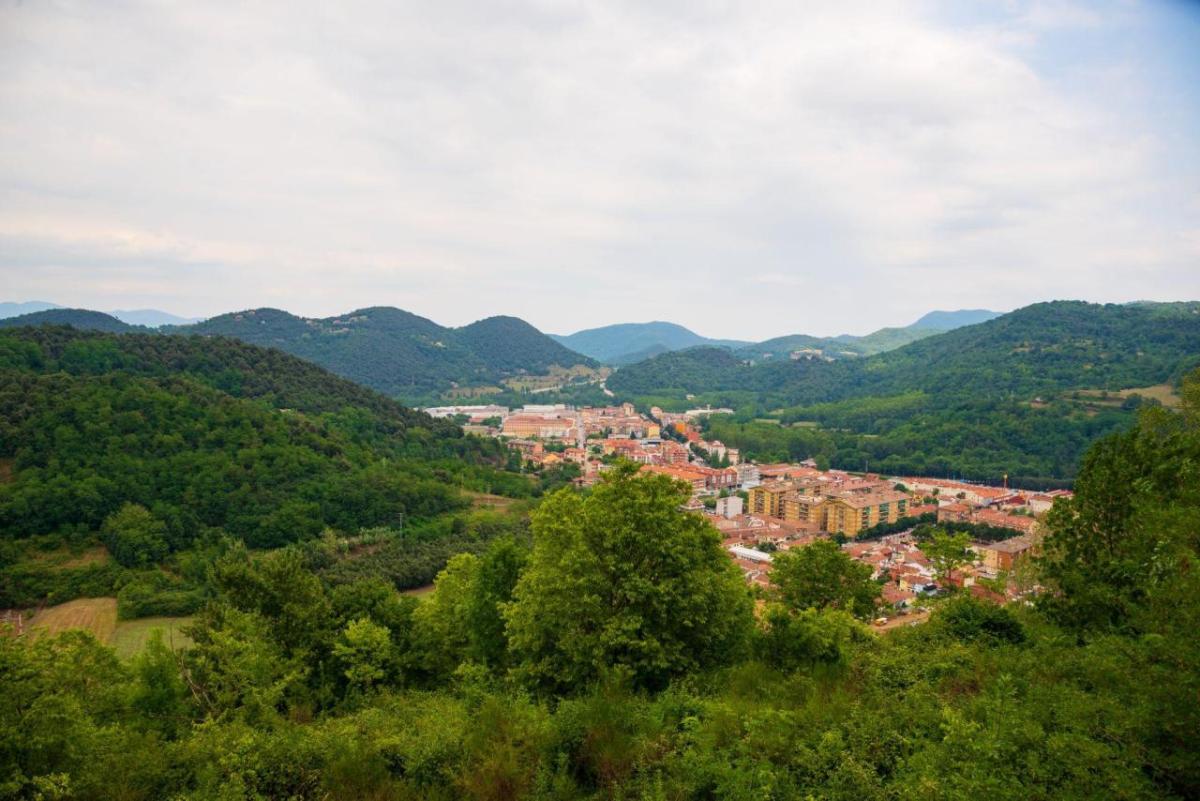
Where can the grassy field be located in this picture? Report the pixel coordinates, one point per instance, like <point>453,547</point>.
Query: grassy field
<point>1163,393</point>
<point>484,500</point>
<point>65,559</point>
<point>131,636</point>
<point>99,616</point>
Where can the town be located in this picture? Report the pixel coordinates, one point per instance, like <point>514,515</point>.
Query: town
<point>762,509</point>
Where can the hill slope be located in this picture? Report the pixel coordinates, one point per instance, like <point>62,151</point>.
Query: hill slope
<point>880,341</point>
<point>949,320</point>
<point>83,319</point>
<point>152,318</point>
<point>213,434</point>
<point>11,309</point>
<point>1019,394</point>
<point>399,353</point>
<point>623,343</point>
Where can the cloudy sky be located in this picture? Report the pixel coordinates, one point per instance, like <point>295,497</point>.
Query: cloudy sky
<point>747,169</point>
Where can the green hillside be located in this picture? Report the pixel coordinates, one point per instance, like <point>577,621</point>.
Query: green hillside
<point>83,319</point>
<point>615,652</point>
<point>399,353</point>
<point>623,343</point>
<point>162,445</point>
<point>999,397</point>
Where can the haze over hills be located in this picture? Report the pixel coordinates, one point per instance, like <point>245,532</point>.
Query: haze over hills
<point>628,343</point>
<point>83,319</point>
<point>624,343</point>
<point>151,318</point>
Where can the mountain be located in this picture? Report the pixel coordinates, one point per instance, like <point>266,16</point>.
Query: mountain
<point>1042,348</point>
<point>1022,394</point>
<point>949,320</point>
<point>152,318</point>
<point>83,319</point>
<point>625,343</point>
<point>884,339</point>
<point>214,434</point>
<point>400,353</point>
<point>9,309</point>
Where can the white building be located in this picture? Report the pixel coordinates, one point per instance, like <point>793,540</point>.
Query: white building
<point>729,507</point>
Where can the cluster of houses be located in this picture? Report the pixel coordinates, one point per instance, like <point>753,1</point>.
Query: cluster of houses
<point>762,509</point>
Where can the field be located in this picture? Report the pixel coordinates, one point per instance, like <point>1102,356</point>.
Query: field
<point>65,559</point>
<point>131,636</point>
<point>99,616</point>
<point>1163,393</point>
<point>484,500</point>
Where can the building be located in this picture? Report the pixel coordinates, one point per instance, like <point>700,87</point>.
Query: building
<point>474,413</point>
<point>730,506</point>
<point>767,499</point>
<point>1006,554</point>
<point>542,426</point>
<point>851,512</point>
<point>748,475</point>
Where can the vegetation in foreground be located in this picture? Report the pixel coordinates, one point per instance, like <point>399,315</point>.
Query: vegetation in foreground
<point>617,656</point>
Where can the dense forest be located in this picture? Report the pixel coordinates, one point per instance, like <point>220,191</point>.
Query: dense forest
<point>1023,394</point>
<point>164,446</point>
<point>399,353</point>
<point>611,650</point>
<point>389,350</point>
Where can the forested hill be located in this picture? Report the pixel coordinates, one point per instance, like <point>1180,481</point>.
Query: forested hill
<point>1023,394</point>
<point>214,436</point>
<point>399,353</point>
<point>621,343</point>
<point>1044,348</point>
<point>83,319</point>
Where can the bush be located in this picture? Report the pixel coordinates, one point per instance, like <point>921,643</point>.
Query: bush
<point>971,620</point>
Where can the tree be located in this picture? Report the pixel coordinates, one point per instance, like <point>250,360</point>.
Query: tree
<point>946,552</point>
<point>623,580</point>
<point>823,576</point>
<point>134,536</point>
<point>1130,529</point>
<point>792,639</point>
<point>364,650</point>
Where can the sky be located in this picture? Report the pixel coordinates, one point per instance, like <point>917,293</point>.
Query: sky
<point>746,169</point>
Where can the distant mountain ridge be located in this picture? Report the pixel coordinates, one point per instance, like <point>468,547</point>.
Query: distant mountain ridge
<point>625,343</point>
<point>151,318</point>
<point>387,349</point>
<point>1023,394</point>
<point>400,353</point>
<point>628,343</point>
<point>1044,347</point>
<point>949,320</point>
<point>82,319</point>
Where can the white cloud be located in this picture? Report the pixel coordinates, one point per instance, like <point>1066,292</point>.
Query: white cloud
<point>714,163</point>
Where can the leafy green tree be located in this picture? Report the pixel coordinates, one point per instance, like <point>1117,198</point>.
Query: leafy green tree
<point>622,579</point>
<point>134,536</point>
<point>499,570</point>
<point>946,552</point>
<point>441,630</point>
<point>792,639</point>
<point>365,651</point>
<point>1130,529</point>
<point>823,576</point>
<point>971,619</point>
